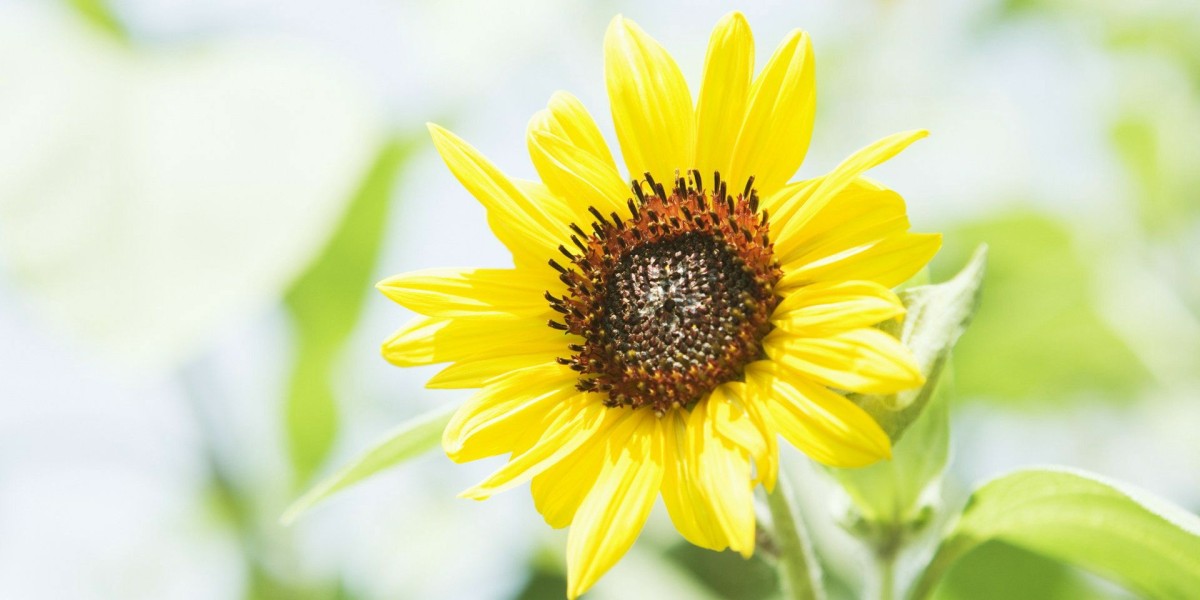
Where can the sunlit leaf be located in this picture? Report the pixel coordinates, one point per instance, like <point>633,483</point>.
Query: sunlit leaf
<point>886,497</point>
<point>1137,540</point>
<point>407,441</point>
<point>937,315</point>
<point>999,571</point>
<point>325,304</point>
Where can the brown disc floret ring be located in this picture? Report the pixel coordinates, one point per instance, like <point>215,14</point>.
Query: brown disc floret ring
<point>674,300</point>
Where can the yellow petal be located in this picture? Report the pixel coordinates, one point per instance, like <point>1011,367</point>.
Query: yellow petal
<point>525,228</point>
<point>467,292</point>
<point>827,307</point>
<point>720,109</point>
<point>566,427</point>
<point>722,470</point>
<point>693,518</point>
<point>614,511</point>
<point>732,419</point>
<point>651,104</point>
<point>774,137</point>
<point>559,209</point>
<point>823,424</point>
<point>889,262</point>
<point>786,239</point>
<point>565,117</point>
<point>785,202</point>
<point>488,422</point>
<point>559,490</point>
<point>426,340</point>
<point>860,214</point>
<point>861,360</point>
<point>478,372</point>
<point>767,466</point>
<point>578,176</point>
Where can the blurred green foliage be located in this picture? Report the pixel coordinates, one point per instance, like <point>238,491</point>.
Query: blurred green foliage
<point>325,303</point>
<point>727,573</point>
<point>100,15</point>
<point>1037,339</point>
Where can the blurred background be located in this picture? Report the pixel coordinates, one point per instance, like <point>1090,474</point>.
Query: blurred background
<point>196,197</point>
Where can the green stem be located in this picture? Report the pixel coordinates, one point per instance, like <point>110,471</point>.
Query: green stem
<point>799,572</point>
<point>887,576</point>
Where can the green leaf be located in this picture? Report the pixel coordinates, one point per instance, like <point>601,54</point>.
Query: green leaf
<point>1041,342</point>
<point>890,498</point>
<point>409,440</point>
<point>886,498</point>
<point>937,315</point>
<point>1138,540</point>
<point>999,571</point>
<point>325,303</point>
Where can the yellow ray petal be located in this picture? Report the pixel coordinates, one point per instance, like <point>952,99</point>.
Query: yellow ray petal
<point>722,469</point>
<point>889,262</point>
<point>426,340</point>
<point>779,118</point>
<point>651,104</point>
<point>559,209</point>
<point>693,517</point>
<point>860,214</point>
<point>559,490</point>
<point>733,421</point>
<point>614,511</point>
<point>478,372</point>
<point>823,308</point>
<point>528,231</point>
<point>566,427</point>
<point>823,424</point>
<point>566,117</point>
<point>467,292</point>
<point>728,67</point>
<point>578,176</point>
<point>787,239</point>
<point>767,466</point>
<point>862,360</point>
<point>784,202</point>
<point>486,424</point>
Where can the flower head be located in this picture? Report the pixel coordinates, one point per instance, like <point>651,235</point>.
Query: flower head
<point>659,332</point>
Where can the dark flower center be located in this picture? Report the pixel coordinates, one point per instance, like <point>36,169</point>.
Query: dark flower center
<point>673,301</point>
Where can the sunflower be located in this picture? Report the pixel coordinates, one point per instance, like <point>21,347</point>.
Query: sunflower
<point>658,333</point>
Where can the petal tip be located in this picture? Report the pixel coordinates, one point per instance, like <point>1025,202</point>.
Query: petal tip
<point>735,18</point>
<point>474,493</point>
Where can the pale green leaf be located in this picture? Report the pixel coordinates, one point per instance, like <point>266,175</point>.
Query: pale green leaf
<point>887,497</point>
<point>891,499</point>
<point>1137,540</point>
<point>1000,571</point>
<point>325,303</point>
<point>409,440</point>
<point>936,316</point>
